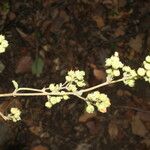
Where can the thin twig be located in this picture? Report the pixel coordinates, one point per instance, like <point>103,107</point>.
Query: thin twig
<point>33,94</point>
<point>4,117</point>
<point>29,89</point>
<point>41,92</point>
<point>103,84</point>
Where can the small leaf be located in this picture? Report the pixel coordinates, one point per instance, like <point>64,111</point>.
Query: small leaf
<point>37,66</point>
<point>15,84</point>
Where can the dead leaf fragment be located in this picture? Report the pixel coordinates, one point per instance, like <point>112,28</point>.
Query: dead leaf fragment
<point>99,21</point>
<point>119,31</point>
<point>12,16</point>
<point>146,142</point>
<point>37,130</point>
<point>122,3</point>
<point>86,116</point>
<point>136,43</point>
<point>99,74</point>
<point>108,3</point>
<point>93,127</point>
<point>83,146</point>
<point>144,116</point>
<point>119,3</point>
<point>113,129</point>
<point>138,127</point>
<point>59,21</point>
<point>46,24</point>
<point>48,2</point>
<point>121,93</point>
<point>29,38</point>
<point>121,15</point>
<point>39,147</point>
<point>24,64</point>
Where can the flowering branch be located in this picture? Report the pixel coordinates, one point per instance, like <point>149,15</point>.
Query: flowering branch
<point>55,93</point>
<point>41,92</point>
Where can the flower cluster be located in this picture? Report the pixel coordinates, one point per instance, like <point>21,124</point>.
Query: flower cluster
<point>3,44</point>
<point>75,79</point>
<point>115,68</point>
<point>52,100</point>
<point>100,100</point>
<point>55,87</point>
<point>130,74</point>
<point>145,70</point>
<point>113,65</point>
<point>14,114</point>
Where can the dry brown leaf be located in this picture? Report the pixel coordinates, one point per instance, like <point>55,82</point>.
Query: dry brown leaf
<point>99,74</point>
<point>99,21</point>
<point>147,125</point>
<point>37,130</point>
<point>108,3</point>
<point>83,146</point>
<point>119,31</point>
<point>122,3</point>
<point>131,55</point>
<point>86,116</point>
<point>39,147</point>
<point>145,9</point>
<point>127,93</point>
<point>46,24</point>
<point>120,93</point>
<point>113,129</point>
<point>119,3</point>
<point>46,47</point>
<point>12,16</point>
<point>121,15</point>
<point>93,127</point>
<point>138,127</point>
<point>64,16</point>
<point>24,64</point>
<point>59,21</point>
<point>123,93</point>
<point>31,38</point>
<point>48,2</point>
<point>136,43</point>
<point>144,116</point>
<point>146,142</point>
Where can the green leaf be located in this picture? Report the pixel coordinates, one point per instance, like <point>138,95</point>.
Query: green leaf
<point>15,84</point>
<point>37,66</point>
